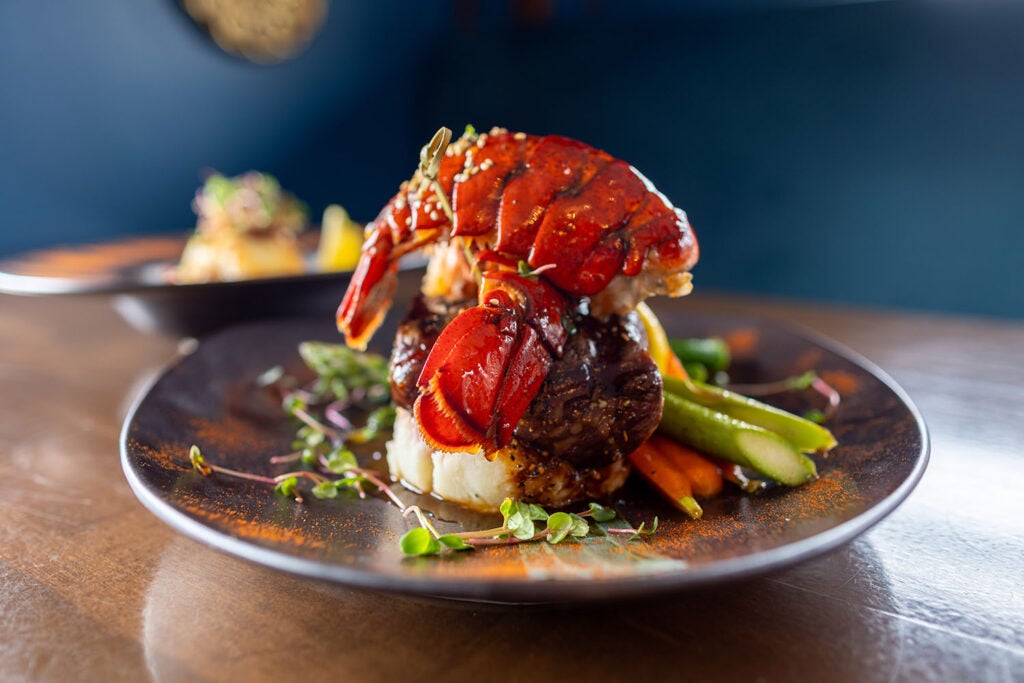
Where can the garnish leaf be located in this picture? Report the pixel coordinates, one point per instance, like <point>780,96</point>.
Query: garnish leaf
<point>814,415</point>
<point>418,542</point>
<point>288,487</point>
<point>643,530</point>
<point>506,508</point>
<point>580,526</point>
<point>325,489</point>
<point>291,403</point>
<point>601,513</point>
<point>520,526</point>
<point>518,519</point>
<point>537,512</point>
<point>454,542</point>
<point>341,460</point>
<point>559,526</point>
<point>195,456</point>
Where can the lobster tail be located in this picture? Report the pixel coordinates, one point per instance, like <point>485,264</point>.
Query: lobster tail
<point>488,363</point>
<point>584,223</point>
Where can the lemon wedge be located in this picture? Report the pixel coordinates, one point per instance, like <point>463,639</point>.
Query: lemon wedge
<point>341,240</point>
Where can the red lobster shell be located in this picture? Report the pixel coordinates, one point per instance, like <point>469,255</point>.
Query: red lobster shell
<point>573,220</point>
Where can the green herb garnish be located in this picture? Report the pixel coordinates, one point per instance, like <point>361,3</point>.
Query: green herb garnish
<point>520,524</point>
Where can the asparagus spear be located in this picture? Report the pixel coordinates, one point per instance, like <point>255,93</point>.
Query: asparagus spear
<point>718,434</point>
<point>804,435</point>
<point>712,353</point>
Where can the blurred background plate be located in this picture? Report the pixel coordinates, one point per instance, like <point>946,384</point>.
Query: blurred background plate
<point>135,271</point>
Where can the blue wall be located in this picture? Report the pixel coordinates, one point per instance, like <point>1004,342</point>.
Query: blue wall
<point>867,153</point>
<point>111,109</point>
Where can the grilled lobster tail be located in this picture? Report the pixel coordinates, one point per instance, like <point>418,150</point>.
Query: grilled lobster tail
<point>542,221</point>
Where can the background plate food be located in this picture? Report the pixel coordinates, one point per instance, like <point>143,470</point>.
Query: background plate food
<point>210,398</point>
<point>134,271</point>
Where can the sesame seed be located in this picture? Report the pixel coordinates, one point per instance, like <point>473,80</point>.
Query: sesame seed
<point>433,215</point>
<point>519,136</point>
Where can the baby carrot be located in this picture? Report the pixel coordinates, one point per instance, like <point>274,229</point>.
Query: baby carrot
<point>705,479</point>
<point>674,367</point>
<point>666,477</point>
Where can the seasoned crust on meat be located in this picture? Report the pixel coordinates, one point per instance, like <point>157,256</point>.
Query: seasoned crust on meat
<point>515,472</point>
<point>600,400</point>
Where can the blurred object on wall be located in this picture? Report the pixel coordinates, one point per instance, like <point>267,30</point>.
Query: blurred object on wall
<point>264,31</point>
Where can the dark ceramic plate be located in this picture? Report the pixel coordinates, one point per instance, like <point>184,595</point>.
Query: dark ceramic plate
<point>211,399</point>
<point>134,272</point>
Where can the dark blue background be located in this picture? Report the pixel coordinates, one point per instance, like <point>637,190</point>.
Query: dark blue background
<point>869,153</point>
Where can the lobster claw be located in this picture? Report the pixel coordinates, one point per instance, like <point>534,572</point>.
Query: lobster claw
<point>488,364</point>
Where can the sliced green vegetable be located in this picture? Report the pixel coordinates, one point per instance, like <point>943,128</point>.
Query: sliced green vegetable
<point>804,435</point>
<point>726,437</point>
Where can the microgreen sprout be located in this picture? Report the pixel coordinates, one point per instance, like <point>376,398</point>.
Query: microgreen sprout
<point>642,530</point>
<point>520,523</point>
<point>288,487</point>
<point>802,382</point>
<point>322,486</point>
<point>346,379</point>
<point>814,415</point>
<point>526,270</point>
<point>419,541</point>
<point>195,456</point>
<point>601,513</point>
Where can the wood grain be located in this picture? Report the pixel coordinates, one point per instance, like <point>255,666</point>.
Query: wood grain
<point>94,588</point>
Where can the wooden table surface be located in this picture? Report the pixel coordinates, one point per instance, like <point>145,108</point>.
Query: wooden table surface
<point>95,588</point>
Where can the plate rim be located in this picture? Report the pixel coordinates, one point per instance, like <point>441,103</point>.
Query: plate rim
<point>513,591</point>
<point>22,284</point>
